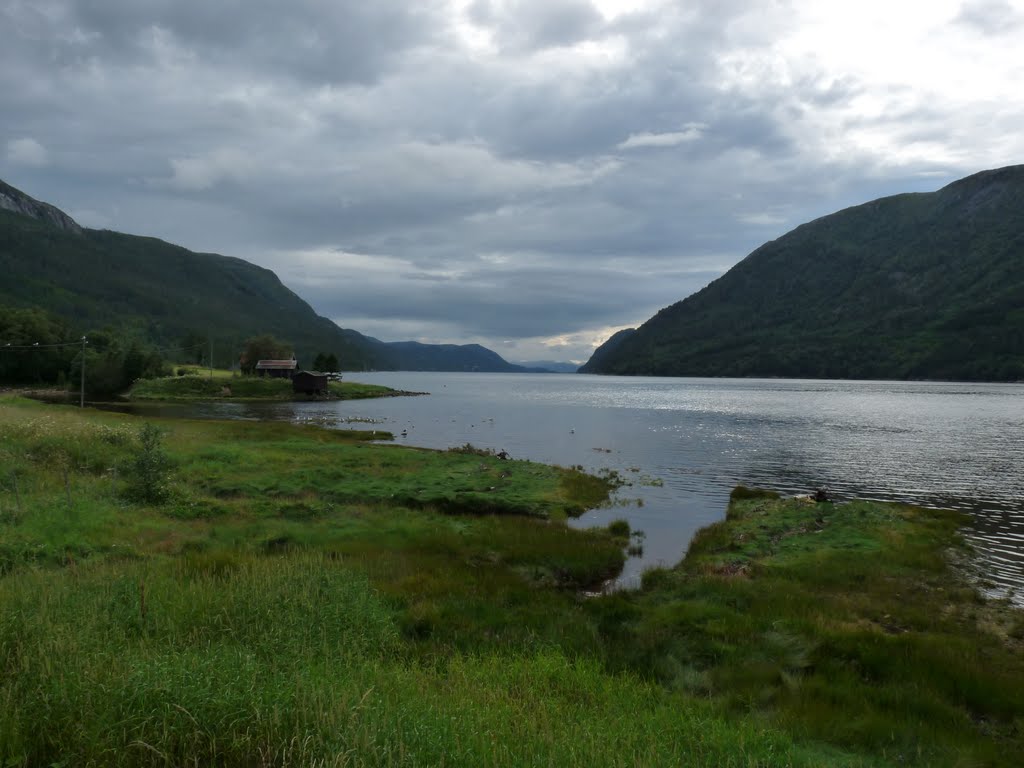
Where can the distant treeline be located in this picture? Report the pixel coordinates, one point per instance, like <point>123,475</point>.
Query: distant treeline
<point>38,348</point>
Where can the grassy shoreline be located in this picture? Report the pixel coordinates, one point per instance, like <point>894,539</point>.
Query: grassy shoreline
<point>848,623</point>
<point>294,596</point>
<point>248,388</point>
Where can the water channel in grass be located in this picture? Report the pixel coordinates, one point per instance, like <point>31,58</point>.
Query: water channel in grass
<point>685,443</point>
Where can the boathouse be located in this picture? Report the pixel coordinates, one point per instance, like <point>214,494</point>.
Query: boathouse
<point>309,383</point>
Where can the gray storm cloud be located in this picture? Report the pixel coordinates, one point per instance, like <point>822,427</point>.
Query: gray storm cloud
<point>513,173</point>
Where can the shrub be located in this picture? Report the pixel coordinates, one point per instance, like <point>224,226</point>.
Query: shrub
<point>148,479</point>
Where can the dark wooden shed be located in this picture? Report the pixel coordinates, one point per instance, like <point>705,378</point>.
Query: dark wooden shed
<point>309,383</point>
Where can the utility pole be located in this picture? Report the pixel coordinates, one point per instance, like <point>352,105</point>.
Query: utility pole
<point>81,401</point>
<point>211,358</point>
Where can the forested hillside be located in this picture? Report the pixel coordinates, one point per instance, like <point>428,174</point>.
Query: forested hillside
<point>911,286</point>
<point>161,293</point>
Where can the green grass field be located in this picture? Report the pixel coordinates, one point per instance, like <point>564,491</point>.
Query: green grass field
<point>248,594</point>
<point>198,370</point>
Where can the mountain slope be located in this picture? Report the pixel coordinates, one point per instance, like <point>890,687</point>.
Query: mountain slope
<point>550,366</point>
<point>606,351</point>
<point>450,357</point>
<point>15,200</point>
<point>911,286</point>
<point>96,278</point>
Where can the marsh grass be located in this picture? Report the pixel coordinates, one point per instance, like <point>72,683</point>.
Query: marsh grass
<point>286,629</point>
<point>357,390</point>
<point>619,528</point>
<point>304,597</point>
<point>300,662</point>
<point>843,623</point>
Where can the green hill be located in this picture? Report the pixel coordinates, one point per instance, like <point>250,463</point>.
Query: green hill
<point>98,278</point>
<point>913,286</point>
<point>450,357</point>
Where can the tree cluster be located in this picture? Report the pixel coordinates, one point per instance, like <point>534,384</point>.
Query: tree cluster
<point>263,347</point>
<point>27,327</point>
<point>42,352</point>
<point>112,365</point>
<point>325,363</point>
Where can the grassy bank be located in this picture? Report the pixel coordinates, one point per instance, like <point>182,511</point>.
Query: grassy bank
<point>201,387</point>
<point>266,594</point>
<point>841,623</point>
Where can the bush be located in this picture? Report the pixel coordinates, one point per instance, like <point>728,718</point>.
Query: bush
<point>148,472</point>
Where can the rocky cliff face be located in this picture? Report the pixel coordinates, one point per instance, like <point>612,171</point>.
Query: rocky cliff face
<point>14,200</point>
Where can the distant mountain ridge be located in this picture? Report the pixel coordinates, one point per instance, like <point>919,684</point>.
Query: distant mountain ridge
<point>97,278</point>
<point>914,286</point>
<point>550,366</point>
<point>416,356</point>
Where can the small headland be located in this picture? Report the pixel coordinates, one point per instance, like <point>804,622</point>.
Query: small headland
<point>249,388</point>
<point>239,593</point>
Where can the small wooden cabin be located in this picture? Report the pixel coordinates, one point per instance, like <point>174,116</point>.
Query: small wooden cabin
<point>276,369</point>
<point>309,383</point>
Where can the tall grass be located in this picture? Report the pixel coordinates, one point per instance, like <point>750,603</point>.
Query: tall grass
<point>297,661</point>
<point>304,598</point>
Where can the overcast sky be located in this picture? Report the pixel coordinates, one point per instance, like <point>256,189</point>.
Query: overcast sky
<point>531,175</point>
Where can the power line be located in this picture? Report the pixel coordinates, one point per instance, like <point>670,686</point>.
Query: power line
<point>37,345</point>
<point>83,341</point>
<point>179,349</point>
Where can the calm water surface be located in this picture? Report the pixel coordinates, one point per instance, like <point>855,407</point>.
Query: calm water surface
<point>687,442</point>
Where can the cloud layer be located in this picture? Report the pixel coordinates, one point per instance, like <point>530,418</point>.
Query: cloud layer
<point>528,174</point>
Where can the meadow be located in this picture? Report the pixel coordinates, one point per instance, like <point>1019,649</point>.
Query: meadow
<point>236,593</point>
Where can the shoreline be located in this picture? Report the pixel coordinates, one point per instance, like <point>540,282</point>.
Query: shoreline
<point>163,391</point>
<point>268,399</point>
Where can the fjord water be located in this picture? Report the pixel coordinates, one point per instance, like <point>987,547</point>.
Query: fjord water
<point>685,443</point>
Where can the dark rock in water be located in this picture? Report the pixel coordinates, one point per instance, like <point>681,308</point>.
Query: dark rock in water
<point>821,495</point>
